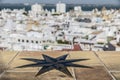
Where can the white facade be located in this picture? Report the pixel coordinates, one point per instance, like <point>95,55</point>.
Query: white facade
<point>37,8</point>
<point>118,38</point>
<point>77,8</point>
<point>60,7</point>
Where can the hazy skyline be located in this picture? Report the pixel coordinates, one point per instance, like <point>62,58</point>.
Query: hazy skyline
<point>117,2</point>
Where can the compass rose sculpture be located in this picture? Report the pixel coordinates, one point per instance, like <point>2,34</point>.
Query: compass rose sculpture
<point>50,63</point>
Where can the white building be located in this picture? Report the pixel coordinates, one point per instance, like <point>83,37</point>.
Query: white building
<point>40,29</point>
<point>37,8</point>
<point>60,7</point>
<point>78,8</point>
<point>118,38</point>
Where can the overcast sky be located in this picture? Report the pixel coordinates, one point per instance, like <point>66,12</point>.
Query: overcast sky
<point>66,1</point>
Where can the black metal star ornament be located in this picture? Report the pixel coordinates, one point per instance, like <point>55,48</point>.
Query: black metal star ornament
<point>50,63</point>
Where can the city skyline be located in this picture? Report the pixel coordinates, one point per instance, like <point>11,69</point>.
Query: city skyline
<point>114,2</point>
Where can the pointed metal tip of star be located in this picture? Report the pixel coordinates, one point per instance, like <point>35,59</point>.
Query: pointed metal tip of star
<point>15,67</point>
<point>23,58</point>
<point>70,76</point>
<point>88,67</point>
<point>66,54</point>
<point>91,67</point>
<point>43,54</point>
<point>86,59</point>
<point>18,67</point>
<point>36,75</point>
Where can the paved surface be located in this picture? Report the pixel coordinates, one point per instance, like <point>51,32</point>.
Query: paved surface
<point>106,66</point>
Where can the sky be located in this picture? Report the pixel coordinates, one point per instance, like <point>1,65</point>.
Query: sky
<point>116,2</point>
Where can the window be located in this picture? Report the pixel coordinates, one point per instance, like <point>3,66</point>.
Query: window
<point>36,42</point>
<point>32,41</point>
<point>22,40</point>
<point>43,41</point>
<point>27,41</point>
<point>18,40</point>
